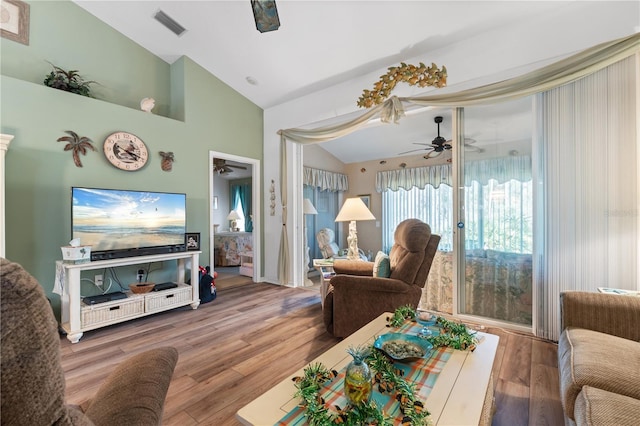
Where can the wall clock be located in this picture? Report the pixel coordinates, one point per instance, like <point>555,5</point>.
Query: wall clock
<point>125,151</point>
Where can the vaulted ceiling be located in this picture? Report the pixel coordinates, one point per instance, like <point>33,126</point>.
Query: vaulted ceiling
<point>319,44</point>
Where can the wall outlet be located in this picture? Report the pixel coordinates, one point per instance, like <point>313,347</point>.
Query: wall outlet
<point>98,280</point>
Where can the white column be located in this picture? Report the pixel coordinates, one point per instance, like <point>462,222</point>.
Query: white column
<point>5,140</point>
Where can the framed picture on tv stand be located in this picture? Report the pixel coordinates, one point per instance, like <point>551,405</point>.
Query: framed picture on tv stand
<point>192,241</point>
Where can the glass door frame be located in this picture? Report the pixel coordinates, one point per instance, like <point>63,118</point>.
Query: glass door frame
<point>459,245</point>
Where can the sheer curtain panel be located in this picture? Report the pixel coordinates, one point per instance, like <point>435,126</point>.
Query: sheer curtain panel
<point>588,173</point>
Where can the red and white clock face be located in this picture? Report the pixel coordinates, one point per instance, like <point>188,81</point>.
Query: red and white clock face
<point>125,151</point>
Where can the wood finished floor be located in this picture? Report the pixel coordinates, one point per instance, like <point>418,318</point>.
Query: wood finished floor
<point>254,335</point>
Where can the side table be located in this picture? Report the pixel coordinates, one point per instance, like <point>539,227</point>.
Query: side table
<point>246,263</point>
<point>325,267</point>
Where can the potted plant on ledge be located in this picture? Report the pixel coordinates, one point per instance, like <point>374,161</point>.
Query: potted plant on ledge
<point>69,81</point>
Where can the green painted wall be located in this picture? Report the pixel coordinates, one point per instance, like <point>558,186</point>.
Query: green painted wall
<point>63,34</point>
<point>39,174</point>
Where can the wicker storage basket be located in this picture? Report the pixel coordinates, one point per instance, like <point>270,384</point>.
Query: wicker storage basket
<point>167,299</point>
<point>111,312</point>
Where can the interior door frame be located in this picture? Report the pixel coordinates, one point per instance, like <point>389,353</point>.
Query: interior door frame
<point>256,203</point>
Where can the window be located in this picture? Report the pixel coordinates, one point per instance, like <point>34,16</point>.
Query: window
<point>498,215</point>
<point>431,205</point>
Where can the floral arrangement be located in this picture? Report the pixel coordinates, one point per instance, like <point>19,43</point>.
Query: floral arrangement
<point>420,75</point>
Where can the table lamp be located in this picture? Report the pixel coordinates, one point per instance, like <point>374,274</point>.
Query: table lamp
<point>307,208</point>
<point>233,217</point>
<point>353,210</point>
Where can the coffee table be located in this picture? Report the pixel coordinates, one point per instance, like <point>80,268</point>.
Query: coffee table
<point>462,395</point>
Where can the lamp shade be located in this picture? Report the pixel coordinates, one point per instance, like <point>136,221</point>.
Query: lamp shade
<point>233,215</point>
<point>307,207</point>
<point>354,209</point>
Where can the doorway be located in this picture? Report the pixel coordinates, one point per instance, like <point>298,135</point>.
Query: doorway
<point>234,244</point>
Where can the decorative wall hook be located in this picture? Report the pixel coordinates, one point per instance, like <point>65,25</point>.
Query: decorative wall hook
<point>272,197</point>
<point>167,161</point>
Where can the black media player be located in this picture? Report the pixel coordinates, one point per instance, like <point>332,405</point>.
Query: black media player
<point>102,298</point>
<point>164,286</point>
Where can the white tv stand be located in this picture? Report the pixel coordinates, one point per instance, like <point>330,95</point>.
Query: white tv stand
<point>77,318</point>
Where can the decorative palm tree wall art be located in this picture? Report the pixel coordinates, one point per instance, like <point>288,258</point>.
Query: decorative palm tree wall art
<point>77,144</point>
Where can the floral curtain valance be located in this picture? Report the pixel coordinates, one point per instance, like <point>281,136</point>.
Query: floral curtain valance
<point>325,180</point>
<point>500,169</point>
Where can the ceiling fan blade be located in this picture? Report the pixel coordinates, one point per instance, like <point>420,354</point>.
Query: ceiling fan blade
<point>413,150</point>
<point>432,154</point>
<point>237,167</point>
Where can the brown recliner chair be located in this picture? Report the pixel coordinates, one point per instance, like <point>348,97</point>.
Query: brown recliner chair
<point>33,384</point>
<point>356,297</point>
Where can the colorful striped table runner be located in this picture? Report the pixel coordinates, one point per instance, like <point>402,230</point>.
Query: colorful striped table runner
<point>423,373</point>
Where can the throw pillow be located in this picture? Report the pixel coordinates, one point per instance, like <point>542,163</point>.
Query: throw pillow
<point>381,266</point>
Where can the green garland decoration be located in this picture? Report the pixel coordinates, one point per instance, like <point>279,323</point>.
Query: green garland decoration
<point>400,315</point>
<point>455,335</point>
<point>387,377</point>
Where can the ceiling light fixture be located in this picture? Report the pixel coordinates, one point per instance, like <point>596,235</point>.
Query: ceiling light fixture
<point>265,14</point>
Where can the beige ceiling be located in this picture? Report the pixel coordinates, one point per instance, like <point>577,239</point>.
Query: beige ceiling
<point>319,43</point>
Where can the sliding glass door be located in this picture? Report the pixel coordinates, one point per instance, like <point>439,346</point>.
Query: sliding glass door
<point>495,206</point>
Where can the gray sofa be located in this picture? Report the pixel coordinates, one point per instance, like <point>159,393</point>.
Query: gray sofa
<point>33,383</point>
<point>599,359</point>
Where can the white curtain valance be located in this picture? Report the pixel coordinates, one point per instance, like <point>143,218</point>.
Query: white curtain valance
<point>500,169</point>
<point>325,180</point>
<point>419,177</point>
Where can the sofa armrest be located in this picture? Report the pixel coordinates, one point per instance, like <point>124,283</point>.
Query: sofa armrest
<point>135,391</point>
<point>606,313</point>
<point>353,267</point>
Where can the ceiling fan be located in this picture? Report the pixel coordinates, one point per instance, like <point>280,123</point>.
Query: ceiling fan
<point>220,165</point>
<point>440,144</point>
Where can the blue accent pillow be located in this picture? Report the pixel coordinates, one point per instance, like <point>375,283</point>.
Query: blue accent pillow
<point>382,266</point>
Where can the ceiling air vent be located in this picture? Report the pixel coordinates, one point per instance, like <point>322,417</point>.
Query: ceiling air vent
<point>169,22</point>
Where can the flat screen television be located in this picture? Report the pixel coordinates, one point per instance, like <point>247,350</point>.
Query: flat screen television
<point>122,223</point>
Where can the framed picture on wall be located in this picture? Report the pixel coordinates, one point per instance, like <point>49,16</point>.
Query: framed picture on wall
<point>192,240</point>
<point>14,24</point>
<point>366,199</point>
